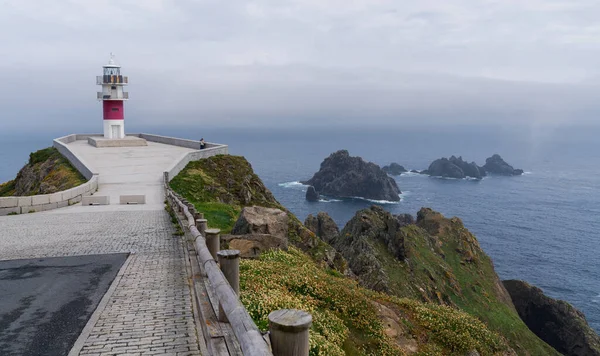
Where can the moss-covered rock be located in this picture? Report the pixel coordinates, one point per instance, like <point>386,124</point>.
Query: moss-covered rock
<point>46,172</point>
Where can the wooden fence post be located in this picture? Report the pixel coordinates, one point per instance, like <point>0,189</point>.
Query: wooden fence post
<point>202,225</point>
<point>289,332</point>
<point>229,261</point>
<point>213,242</point>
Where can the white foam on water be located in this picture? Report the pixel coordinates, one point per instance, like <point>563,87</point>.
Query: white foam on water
<point>379,201</point>
<point>295,184</point>
<point>328,200</point>
<point>527,173</point>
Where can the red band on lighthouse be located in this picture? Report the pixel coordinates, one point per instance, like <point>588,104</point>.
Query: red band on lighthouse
<point>113,110</point>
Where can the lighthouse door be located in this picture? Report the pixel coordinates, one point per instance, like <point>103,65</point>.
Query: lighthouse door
<point>116,132</point>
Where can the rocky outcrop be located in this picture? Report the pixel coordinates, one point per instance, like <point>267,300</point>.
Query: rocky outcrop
<point>394,169</point>
<point>454,167</point>
<point>311,194</point>
<point>258,229</point>
<point>496,165</point>
<point>323,226</point>
<point>252,245</point>
<point>357,243</point>
<point>46,172</point>
<point>344,176</point>
<point>261,220</point>
<point>554,321</point>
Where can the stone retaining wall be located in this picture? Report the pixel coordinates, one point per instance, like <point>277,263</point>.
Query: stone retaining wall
<point>36,203</point>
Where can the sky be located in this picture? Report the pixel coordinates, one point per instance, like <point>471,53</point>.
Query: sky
<point>303,63</point>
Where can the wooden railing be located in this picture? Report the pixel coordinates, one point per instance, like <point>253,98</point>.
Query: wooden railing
<point>288,328</point>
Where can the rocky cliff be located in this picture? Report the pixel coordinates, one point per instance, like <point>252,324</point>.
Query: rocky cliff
<point>433,259</point>
<point>344,176</point>
<point>554,321</point>
<point>46,172</point>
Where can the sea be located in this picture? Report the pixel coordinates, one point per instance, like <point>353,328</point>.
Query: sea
<point>542,227</point>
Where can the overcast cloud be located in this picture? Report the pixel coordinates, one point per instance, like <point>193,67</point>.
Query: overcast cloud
<point>296,62</point>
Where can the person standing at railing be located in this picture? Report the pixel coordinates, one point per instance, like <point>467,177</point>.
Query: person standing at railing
<point>202,143</point>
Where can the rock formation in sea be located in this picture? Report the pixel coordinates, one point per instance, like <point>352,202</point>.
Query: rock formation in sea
<point>454,167</point>
<point>496,165</point>
<point>344,176</point>
<point>554,321</point>
<point>394,169</point>
<point>311,194</point>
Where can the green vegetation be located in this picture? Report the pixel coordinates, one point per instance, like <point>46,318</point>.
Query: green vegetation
<point>220,187</point>
<point>7,189</point>
<point>46,172</point>
<point>346,319</point>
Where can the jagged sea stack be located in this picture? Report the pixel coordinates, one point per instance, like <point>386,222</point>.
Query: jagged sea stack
<point>344,176</point>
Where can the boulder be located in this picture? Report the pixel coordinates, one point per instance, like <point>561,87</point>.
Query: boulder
<point>261,220</point>
<point>311,194</point>
<point>252,245</point>
<point>344,176</point>
<point>394,169</point>
<point>555,321</point>
<point>323,226</point>
<point>414,171</point>
<point>496,165</point>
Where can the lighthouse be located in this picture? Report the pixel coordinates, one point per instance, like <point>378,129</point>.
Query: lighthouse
<point>113,95</point>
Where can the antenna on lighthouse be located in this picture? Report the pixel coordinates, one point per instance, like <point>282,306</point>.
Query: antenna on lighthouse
<point>111,61</point>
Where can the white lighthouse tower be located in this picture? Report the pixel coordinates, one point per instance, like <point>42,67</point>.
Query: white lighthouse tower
<point>113,96</point>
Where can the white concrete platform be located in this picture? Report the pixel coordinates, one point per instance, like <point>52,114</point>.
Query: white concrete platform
<point>128,171</point>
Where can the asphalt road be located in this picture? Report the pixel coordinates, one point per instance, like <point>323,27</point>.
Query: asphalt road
<point>46,302</point>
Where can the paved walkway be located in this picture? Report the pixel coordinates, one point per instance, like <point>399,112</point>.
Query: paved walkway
<point>150,311</point>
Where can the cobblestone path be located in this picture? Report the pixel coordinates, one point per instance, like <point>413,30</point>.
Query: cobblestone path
<point>150,311</point>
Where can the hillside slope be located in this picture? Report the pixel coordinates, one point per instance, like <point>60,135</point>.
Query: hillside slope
<point>348,318</point>
<point>434,259</point>
<point>46,172</point>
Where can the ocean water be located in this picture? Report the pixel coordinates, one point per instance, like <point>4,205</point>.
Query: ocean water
<point>542,227</point>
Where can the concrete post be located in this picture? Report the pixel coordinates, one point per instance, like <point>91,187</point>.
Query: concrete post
<point>289,332</point>
<point>213,241</point>
<point>202,225</point>
<point>229,260</point>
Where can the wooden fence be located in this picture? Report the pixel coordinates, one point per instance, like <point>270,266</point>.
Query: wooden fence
<point>288,329</point>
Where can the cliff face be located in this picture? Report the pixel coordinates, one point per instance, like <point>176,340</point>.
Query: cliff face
<point>554,321</point>
<point>46,172</point>
<point>434,259</point>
